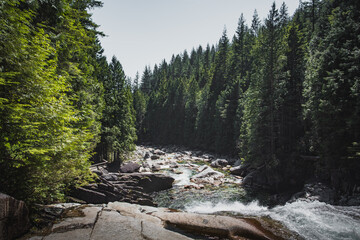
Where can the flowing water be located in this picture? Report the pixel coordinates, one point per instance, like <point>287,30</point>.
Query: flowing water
<point>311,220</point>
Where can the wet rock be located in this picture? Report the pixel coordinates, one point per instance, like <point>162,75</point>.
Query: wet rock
<point>130,167</point>
<point>14,219</point>
<point>147,155</point>
<point>316,191</point>
<point>159,152</point>
<point>154,157</point>
<point>208,176</point>
<point>221,226</point>
<point>219,163</point>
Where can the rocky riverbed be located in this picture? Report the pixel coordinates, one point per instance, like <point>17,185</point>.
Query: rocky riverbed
<point>172,193</point>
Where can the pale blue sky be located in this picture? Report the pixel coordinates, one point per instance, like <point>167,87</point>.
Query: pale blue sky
<point>144,32</point>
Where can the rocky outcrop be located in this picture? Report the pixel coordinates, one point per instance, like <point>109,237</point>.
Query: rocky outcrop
<point>149,182</point>
<point>14,219</point>
<point>118,220</point>
<point>126,187</point>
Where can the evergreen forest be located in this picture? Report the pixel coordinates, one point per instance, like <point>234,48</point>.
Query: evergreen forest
<point>282,94</point>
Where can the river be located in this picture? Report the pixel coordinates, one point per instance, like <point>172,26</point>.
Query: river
<point>309,219</point>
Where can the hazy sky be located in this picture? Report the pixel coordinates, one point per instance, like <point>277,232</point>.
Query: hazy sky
<point>144,32</point>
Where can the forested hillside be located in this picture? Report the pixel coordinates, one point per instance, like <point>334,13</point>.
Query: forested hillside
<point>54,86</point>
<point>282,94</point>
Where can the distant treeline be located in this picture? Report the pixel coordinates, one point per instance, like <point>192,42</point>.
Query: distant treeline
<point>278,94</point>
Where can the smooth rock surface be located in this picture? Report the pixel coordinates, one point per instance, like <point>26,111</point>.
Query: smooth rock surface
<point>124,221</point>
<point>77,234</point>
<point>87,219</point>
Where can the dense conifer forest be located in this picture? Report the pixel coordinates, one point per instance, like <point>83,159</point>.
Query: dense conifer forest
<point>283,95</point>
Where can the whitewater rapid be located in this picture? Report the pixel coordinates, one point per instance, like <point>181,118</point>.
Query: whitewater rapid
<point>311,220</point>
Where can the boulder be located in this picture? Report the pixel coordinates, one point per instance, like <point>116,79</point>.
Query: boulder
<point>154,157</point>
<point>236,170</point>
<point>150,182</point>
<point>219,163</point>
<point>208,176</point>
<point>147,155</point>
<point>208,172</point>
<point>316,191</point>
<point>14,217</point>
<point>130,167</point>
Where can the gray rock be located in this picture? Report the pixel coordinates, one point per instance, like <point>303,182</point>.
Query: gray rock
<point>222,226</point>
<point>110,177</point>
<point>130,167</point>
<point>14,217</point>
<point>208,172</point>
<point>112,225</point>
<point>154,157</point>
<point>316,191</point>
<point>86,219</point>
<point>147,155</point>
<point>152,231</point>
<point>219,163</point>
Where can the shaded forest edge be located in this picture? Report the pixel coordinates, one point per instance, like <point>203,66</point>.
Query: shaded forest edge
<point>283,95</point>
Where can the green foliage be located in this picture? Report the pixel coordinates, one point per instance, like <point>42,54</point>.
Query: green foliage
<point>49,109</point>
<point>118,123</point>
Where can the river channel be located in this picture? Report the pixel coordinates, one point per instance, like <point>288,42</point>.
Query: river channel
<point>223,194</point>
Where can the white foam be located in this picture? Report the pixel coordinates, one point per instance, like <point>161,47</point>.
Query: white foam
<point>312,220</point>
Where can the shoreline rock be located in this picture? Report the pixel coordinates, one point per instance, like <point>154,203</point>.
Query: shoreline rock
<point>119,220</point>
